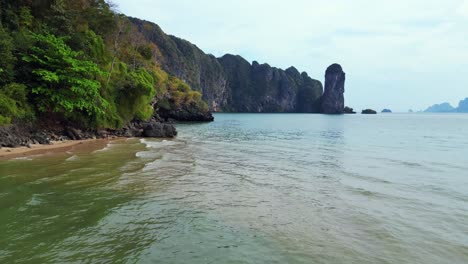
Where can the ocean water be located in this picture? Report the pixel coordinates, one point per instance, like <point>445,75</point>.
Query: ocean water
<point>249,188</point>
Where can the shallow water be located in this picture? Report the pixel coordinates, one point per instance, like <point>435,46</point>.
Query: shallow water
<point>248,188</point>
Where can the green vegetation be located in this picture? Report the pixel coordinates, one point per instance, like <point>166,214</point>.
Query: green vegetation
<point>81,62</point>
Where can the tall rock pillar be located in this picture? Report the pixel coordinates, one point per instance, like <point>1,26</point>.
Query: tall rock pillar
<point>333,97</point>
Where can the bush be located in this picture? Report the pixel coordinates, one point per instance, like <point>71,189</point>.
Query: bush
<point>13,103</point>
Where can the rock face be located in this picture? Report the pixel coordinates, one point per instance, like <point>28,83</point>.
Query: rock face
<point>369,112</point>
<point>333,98</point>
<point>186,114</point>
<point>230,83</point>
<point>260,88</point>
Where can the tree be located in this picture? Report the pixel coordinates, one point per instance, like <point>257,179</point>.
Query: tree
<point>7,59</point>
<point>62,81</point>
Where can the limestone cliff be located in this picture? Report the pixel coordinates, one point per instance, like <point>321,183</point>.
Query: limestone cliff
<point>231,83</point>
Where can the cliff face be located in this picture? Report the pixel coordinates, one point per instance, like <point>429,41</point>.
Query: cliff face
<point>261,88</point>
<point>333,98</point>
<point>231,83</point>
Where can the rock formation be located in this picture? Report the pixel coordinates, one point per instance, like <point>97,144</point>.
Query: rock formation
<point>333,98</point>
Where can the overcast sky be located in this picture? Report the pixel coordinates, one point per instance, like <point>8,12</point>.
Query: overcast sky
<point>399,54</point>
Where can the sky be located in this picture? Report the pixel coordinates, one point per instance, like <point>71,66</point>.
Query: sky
<point>398,54</point>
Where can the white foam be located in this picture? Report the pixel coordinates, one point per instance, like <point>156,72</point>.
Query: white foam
<point>73,158</point>
<point>107,147</point>
<point>24,158</point>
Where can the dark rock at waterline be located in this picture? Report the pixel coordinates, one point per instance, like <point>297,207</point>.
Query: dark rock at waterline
<point>18,135</point>
<point>333,97</point>
<point>159,130</point>
<point>387,111</point>
<point>349,110</point>
<point>369,112</point>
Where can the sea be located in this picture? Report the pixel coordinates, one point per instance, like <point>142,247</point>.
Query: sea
<point>248,188</point>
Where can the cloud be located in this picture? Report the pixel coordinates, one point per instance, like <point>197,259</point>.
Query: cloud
<point>387,47</point>
<point>463,9</point>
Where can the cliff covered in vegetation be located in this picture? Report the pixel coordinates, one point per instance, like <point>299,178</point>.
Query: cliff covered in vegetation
<point>80,63</point>
<point>230,83</point>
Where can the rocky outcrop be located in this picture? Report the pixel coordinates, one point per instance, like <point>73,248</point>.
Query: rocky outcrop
<point>230,83</point>
<point>369,112</point>
<point>333,97</point>
<point>26,134</point>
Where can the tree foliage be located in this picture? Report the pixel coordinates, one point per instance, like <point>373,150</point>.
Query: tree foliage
<point>63,82</point>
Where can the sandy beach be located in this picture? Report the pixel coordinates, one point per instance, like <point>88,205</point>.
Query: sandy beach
<point>54,147</point>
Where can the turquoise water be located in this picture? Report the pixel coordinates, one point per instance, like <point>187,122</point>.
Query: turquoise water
<point>249,188</point>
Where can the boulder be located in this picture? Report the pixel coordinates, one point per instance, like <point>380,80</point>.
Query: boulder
<point>159,130</point>
<point>333,97</point>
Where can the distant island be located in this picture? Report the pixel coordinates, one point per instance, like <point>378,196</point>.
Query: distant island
<point>368,112</point>
<point>448,108</point>
<point>387,111</point>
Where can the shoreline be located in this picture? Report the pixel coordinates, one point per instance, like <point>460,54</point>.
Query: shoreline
<point>53,147</point>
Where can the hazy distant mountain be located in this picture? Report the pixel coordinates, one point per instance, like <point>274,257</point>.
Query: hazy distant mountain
<point>441,108</point>
<point>463,106</point>
<point>448,108</point>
